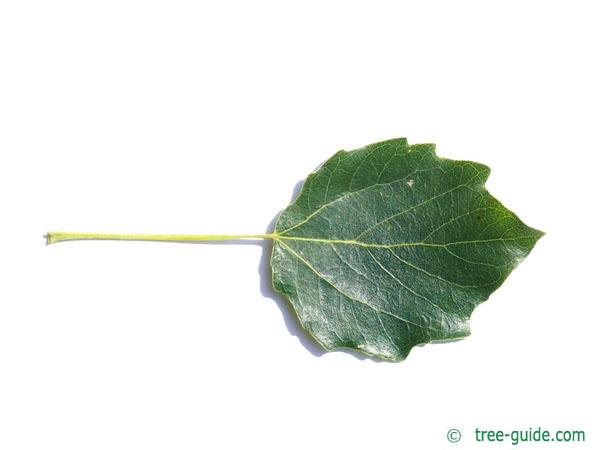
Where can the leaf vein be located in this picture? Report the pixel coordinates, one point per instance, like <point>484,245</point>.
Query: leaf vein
<point>374,308</point>
<point>350,194</point>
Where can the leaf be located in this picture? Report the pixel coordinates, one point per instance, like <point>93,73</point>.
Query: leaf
<point>388,246</point>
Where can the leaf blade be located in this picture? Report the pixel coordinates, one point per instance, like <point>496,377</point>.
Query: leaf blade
<point>389,246</point>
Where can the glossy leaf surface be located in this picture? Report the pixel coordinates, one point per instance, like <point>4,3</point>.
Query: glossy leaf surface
<point>389,246</point>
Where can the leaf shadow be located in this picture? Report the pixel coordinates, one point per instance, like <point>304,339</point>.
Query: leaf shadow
<point>290,318</point>
<point>292,323</point>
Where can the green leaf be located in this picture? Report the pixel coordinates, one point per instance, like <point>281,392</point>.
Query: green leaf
<point>389,246</point>
<point>386,247</point>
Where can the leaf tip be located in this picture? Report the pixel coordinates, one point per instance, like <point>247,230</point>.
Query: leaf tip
<point>536,234</point>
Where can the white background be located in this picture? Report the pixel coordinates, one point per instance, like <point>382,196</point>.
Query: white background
<point>186,117</point>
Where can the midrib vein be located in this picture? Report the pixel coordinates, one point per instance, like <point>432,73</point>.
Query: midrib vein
<point>400,244</point>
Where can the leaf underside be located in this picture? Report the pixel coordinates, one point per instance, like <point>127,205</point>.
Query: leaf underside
<point>388,246</point>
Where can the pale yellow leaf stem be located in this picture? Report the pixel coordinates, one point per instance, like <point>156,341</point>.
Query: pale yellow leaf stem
<point>60,236</point>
